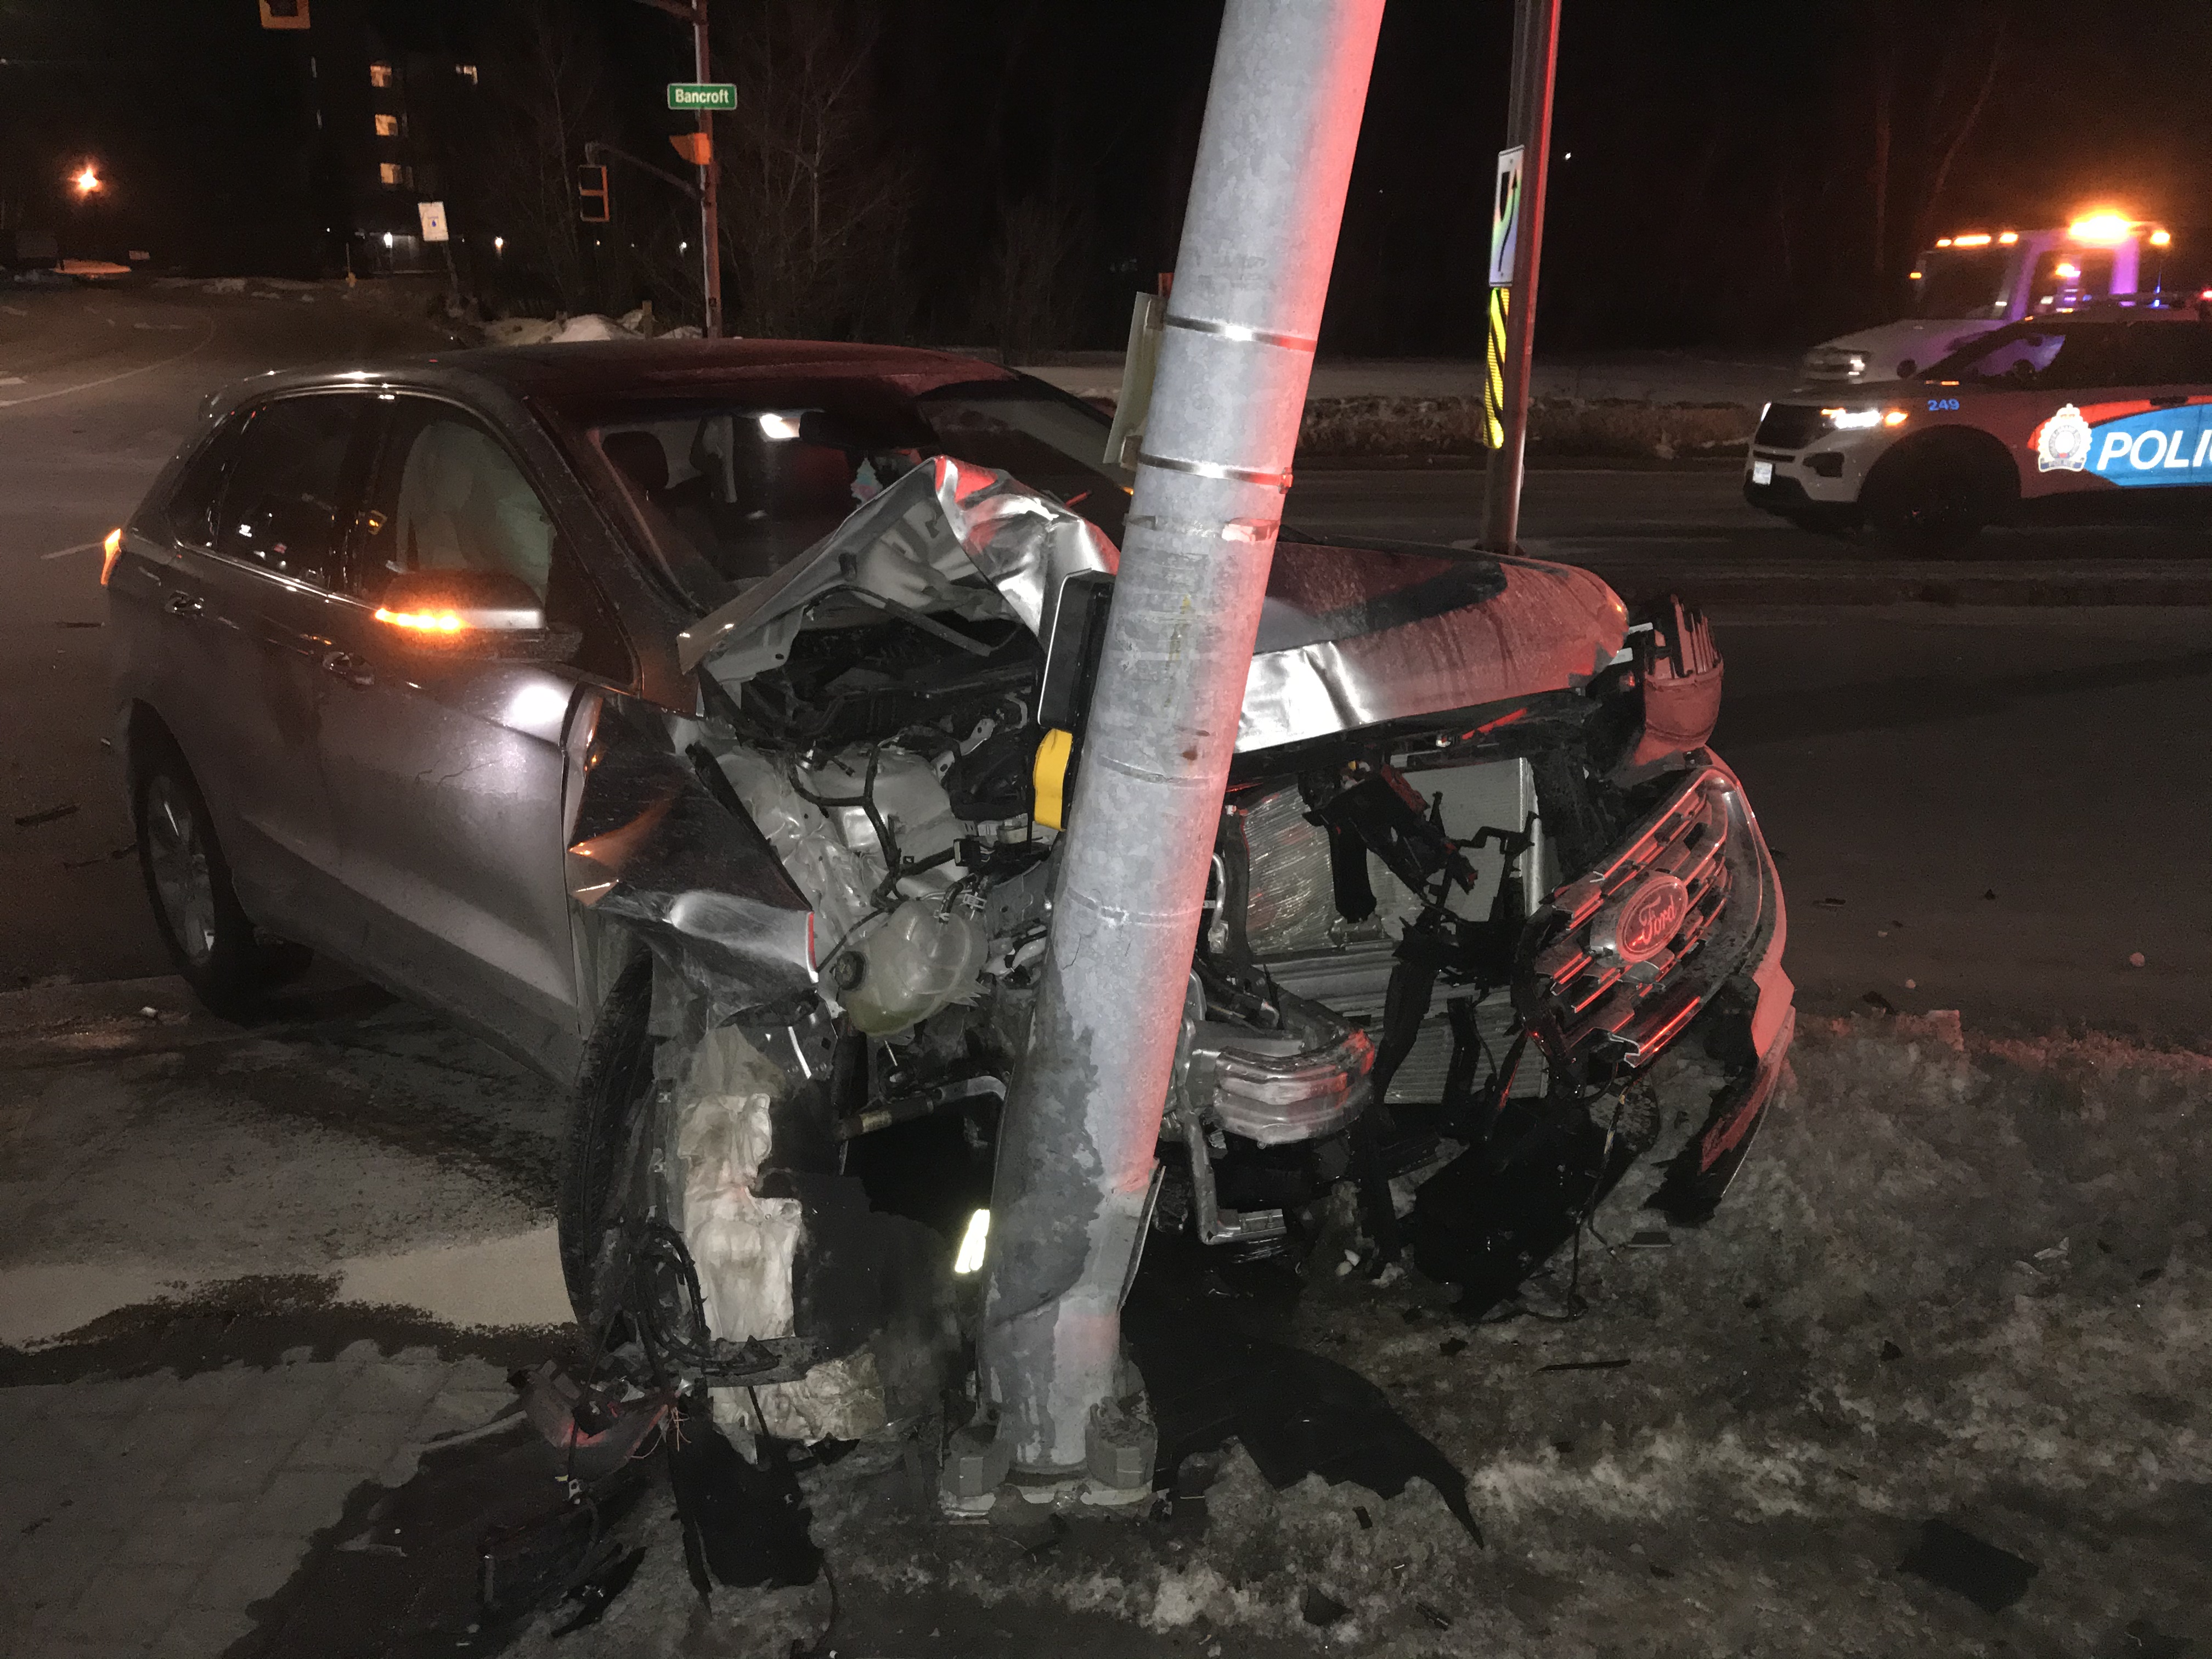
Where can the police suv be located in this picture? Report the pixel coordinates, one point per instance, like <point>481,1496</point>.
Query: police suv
<point>2064,418</point>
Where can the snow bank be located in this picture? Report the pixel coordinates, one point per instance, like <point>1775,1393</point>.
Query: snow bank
<point>634,324</point>
<point>1957,1277</point>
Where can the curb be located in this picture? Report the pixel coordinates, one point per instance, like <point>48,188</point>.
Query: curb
<point>1636,584</point>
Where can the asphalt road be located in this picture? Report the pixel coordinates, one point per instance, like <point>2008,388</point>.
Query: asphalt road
<point>97,389</point>
<point>1906,760</point>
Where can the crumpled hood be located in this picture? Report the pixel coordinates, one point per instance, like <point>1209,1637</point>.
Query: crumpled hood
<point>1348,637</point>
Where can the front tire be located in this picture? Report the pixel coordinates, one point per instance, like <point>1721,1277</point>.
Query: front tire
<point>1933,498</point>
<point>209,938</point>
<point>602,1175</point>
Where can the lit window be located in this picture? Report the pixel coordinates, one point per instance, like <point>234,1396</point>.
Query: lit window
<point>387,126</point>
<point>394,174</point>
<point>380,75</point>
<point>467,71</point>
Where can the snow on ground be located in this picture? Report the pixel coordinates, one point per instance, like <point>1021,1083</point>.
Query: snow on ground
<point>1967,1281</point>
<point>636,325</point>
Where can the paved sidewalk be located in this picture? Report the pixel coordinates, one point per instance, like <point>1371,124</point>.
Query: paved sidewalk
<point>149,1515</point>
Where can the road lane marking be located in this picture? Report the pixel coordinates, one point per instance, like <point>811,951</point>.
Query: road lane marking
<point>82,547</point>
<point>110,380</point>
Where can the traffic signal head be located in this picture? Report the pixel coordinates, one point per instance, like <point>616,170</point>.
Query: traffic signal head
<point>593,206</point>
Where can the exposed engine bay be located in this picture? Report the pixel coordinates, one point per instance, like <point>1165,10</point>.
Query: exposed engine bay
<point>1474,874</point>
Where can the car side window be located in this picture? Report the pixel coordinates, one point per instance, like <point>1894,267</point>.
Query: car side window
<point>192,507</point>
<point>447,495</point>
<point>2172,353</point>
<point>283,504</point>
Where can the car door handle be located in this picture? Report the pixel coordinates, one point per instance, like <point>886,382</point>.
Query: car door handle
<point>185,605</point>
<point>348,667</point>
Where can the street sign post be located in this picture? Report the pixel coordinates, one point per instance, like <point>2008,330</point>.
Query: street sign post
<point>1516,251</point>
<point>695,96</point>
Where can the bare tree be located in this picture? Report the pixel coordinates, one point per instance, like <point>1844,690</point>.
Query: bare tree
<point>1033,286</point>
<point>814,197</point>
<point>1945,146</point>
<point>548,92</point>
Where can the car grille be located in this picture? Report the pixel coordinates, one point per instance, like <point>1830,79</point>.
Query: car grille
<point>1595,992</point>
<point>1789,426</point>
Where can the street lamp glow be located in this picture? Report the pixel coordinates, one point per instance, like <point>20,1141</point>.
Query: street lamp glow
<point>87,181</point>
<point>499,245</point>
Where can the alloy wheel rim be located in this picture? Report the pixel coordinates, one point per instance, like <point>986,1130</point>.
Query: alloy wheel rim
<point>178,855</point>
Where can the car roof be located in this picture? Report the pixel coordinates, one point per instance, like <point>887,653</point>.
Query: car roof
<point>598,368</point>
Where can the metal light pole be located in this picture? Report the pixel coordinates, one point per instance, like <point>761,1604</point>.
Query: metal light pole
<point>1077,1155</point>
<point>1529,122</point>
<point>710,242</point>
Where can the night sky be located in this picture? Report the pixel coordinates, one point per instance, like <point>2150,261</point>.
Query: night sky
<point>1717,177</point>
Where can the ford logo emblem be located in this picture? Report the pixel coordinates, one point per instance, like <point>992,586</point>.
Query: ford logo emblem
<point>1638,927</point>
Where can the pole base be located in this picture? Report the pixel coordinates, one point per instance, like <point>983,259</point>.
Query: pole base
<point>1121,1446</point>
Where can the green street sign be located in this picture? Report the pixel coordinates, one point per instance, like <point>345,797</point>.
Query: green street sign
<point>702,95</point>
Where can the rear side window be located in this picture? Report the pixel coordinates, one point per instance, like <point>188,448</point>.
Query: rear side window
<point>2174,354</point>
<point>284,505</point>
<point>2133,354</point>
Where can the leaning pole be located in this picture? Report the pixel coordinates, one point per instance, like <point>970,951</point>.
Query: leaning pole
<point>1077,1152</point>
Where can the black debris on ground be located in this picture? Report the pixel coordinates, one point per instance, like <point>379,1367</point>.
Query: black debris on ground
<point>588,1603</point>
<point>1320,1607</point>
<point>1584,1366</point>
<point>744,1523</point>
<point>1953,1559</point>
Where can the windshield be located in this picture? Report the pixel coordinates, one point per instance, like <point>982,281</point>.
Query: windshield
<point>1961,282</point>
<point>2080,356</point>
<point>2011,355</point>
<point>725,491</point>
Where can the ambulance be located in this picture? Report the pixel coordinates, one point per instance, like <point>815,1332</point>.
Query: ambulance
<point>1976,281</point>
<point>2102,414</point>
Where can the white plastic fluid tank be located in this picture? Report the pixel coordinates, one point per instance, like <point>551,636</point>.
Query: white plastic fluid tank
<point>922,958</point>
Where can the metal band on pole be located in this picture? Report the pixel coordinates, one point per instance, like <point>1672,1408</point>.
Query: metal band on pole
<point>1239,331</point>
<point>1215,470</point>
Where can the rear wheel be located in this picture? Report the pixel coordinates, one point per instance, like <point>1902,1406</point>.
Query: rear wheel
<point>209,936</point>
<point>1935,497</point>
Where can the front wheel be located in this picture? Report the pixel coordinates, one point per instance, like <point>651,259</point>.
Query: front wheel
<point>209,936</point>
<point>607,1158</point>
<point>1935,498</point>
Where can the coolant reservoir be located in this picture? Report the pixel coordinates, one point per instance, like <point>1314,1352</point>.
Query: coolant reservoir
<point>920,960</point>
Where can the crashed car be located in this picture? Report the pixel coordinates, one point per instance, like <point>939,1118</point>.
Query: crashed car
<point>698,723</point>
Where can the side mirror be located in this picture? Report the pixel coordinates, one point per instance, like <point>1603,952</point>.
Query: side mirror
<point>471,613</point>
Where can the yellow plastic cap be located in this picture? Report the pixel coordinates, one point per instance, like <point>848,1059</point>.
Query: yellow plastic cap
<point>1050,776</point>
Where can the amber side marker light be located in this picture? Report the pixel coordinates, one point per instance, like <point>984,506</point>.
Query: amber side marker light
<point>111,550</point>
<point>423,622</point>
